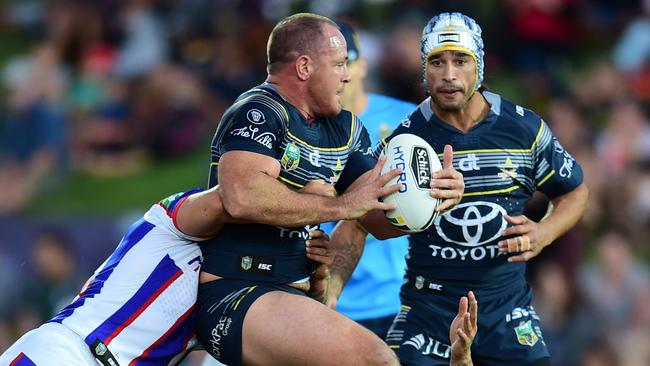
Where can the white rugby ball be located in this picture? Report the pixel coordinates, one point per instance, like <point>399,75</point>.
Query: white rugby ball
<point>415,209</point>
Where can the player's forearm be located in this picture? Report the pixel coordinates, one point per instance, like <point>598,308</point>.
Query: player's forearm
<point>376,223</point>
<point>265,200</point>
<point>568,209</point>
<point>348,240</point>
<point>464,361</point>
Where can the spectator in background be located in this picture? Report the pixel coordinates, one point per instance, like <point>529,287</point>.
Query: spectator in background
<point>9,298</point>
<point>400,71</point>
<point>635,339</point>
<point>567,327</point>
<point>9,275</point>
<point>56,282</point>
<point>614,286</point>
<point>145,45</point>
<point>625,138</point>
<point>33,140</point>
<point>544,31</point>
<point>631,53</point>
<point>636,206</point>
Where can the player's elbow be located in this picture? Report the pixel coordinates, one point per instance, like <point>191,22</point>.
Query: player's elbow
<point>237,203</point>
<point>583,192</point>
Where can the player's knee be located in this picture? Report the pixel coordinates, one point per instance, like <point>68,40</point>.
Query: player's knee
<point>377,353</point>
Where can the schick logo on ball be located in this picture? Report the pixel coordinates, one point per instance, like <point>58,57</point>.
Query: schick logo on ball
<point>421,166</point>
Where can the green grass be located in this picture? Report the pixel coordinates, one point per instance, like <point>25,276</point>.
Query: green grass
<point>87,194</point>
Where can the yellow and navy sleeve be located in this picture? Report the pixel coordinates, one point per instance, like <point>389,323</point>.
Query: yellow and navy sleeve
<point>360,159</point>
<point>256,124</point>
<point>556,171</point>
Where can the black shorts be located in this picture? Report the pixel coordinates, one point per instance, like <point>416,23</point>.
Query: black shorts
<point>221,308</point>
<point>509,330</point>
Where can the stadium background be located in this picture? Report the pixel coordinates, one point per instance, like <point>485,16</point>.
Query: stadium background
<point>106,106</point>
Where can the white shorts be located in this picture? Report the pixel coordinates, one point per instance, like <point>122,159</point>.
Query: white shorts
<point>51,344</point>
<point>210,361</point>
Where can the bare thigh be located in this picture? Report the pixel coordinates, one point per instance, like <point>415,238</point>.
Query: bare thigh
<point>287,329</point>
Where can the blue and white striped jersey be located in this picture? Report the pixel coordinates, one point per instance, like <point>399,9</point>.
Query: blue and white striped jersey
<point>140,302</point>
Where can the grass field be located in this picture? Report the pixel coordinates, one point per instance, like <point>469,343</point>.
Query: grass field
<point>83,193</point>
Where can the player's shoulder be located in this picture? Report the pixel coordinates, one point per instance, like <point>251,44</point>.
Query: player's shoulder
<point>260,104</point>
<point>347,120</point>
<point>513,116</point>
<point>397,106</point>
<point>417,119</point>
<point>162,214</point>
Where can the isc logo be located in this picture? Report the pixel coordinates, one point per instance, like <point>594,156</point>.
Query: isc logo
<point>264,266</point>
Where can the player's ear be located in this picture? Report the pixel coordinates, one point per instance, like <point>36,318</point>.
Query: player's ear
<point>304,67</point>
<point>363,67</point>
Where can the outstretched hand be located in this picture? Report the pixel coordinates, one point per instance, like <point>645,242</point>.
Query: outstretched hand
<point>463,330</point>
<point>447,184</point>
<point>364,194</point>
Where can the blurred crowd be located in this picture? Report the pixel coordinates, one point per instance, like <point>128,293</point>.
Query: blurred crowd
<point>108,87</point>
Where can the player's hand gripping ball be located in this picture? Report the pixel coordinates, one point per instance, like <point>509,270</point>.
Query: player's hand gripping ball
<point>415,210</point>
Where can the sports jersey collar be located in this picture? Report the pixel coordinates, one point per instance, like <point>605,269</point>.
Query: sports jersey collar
<point>494,100</point>
<point>314,125</point>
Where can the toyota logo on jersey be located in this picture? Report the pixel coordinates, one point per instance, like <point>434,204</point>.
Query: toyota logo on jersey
<point>472,224</point>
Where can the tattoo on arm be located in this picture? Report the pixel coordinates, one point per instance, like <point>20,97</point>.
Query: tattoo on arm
<point>348,252</point>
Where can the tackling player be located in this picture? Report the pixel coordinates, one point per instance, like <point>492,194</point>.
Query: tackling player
<point>138,307</point>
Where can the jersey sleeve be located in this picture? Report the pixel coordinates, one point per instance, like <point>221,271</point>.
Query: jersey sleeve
<point>163,215</point>
<point>556,171</point>
<point>255,126</point>
<point>360,159</point>
<point>381,145</point>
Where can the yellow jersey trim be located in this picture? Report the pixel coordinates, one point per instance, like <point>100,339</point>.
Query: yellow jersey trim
<point>346,146</point>
<point>496,191</point>
<point>241,298</point>
<point>290,182</point>
<point>284,110</point>
<point>547,177</point>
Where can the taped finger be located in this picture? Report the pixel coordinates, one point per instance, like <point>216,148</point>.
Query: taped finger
<point>512,245</point>
<point>525,243</point>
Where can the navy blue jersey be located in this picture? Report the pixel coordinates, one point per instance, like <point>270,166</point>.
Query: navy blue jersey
<point>336,149</point>
<point>504,159</point>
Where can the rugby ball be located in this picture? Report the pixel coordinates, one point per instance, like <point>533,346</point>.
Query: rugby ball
<point>415,209</point>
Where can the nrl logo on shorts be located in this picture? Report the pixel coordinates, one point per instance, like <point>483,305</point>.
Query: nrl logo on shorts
<point>525,334</point>
<point>246,263</point>
<point>419,282</point>
<point>291,157</point>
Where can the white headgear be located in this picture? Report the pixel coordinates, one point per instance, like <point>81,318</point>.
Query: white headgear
<point>453,32</point>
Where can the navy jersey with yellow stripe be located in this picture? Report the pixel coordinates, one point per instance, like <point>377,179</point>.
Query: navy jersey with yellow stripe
<point>504,159</point>
<point>336,149</point>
